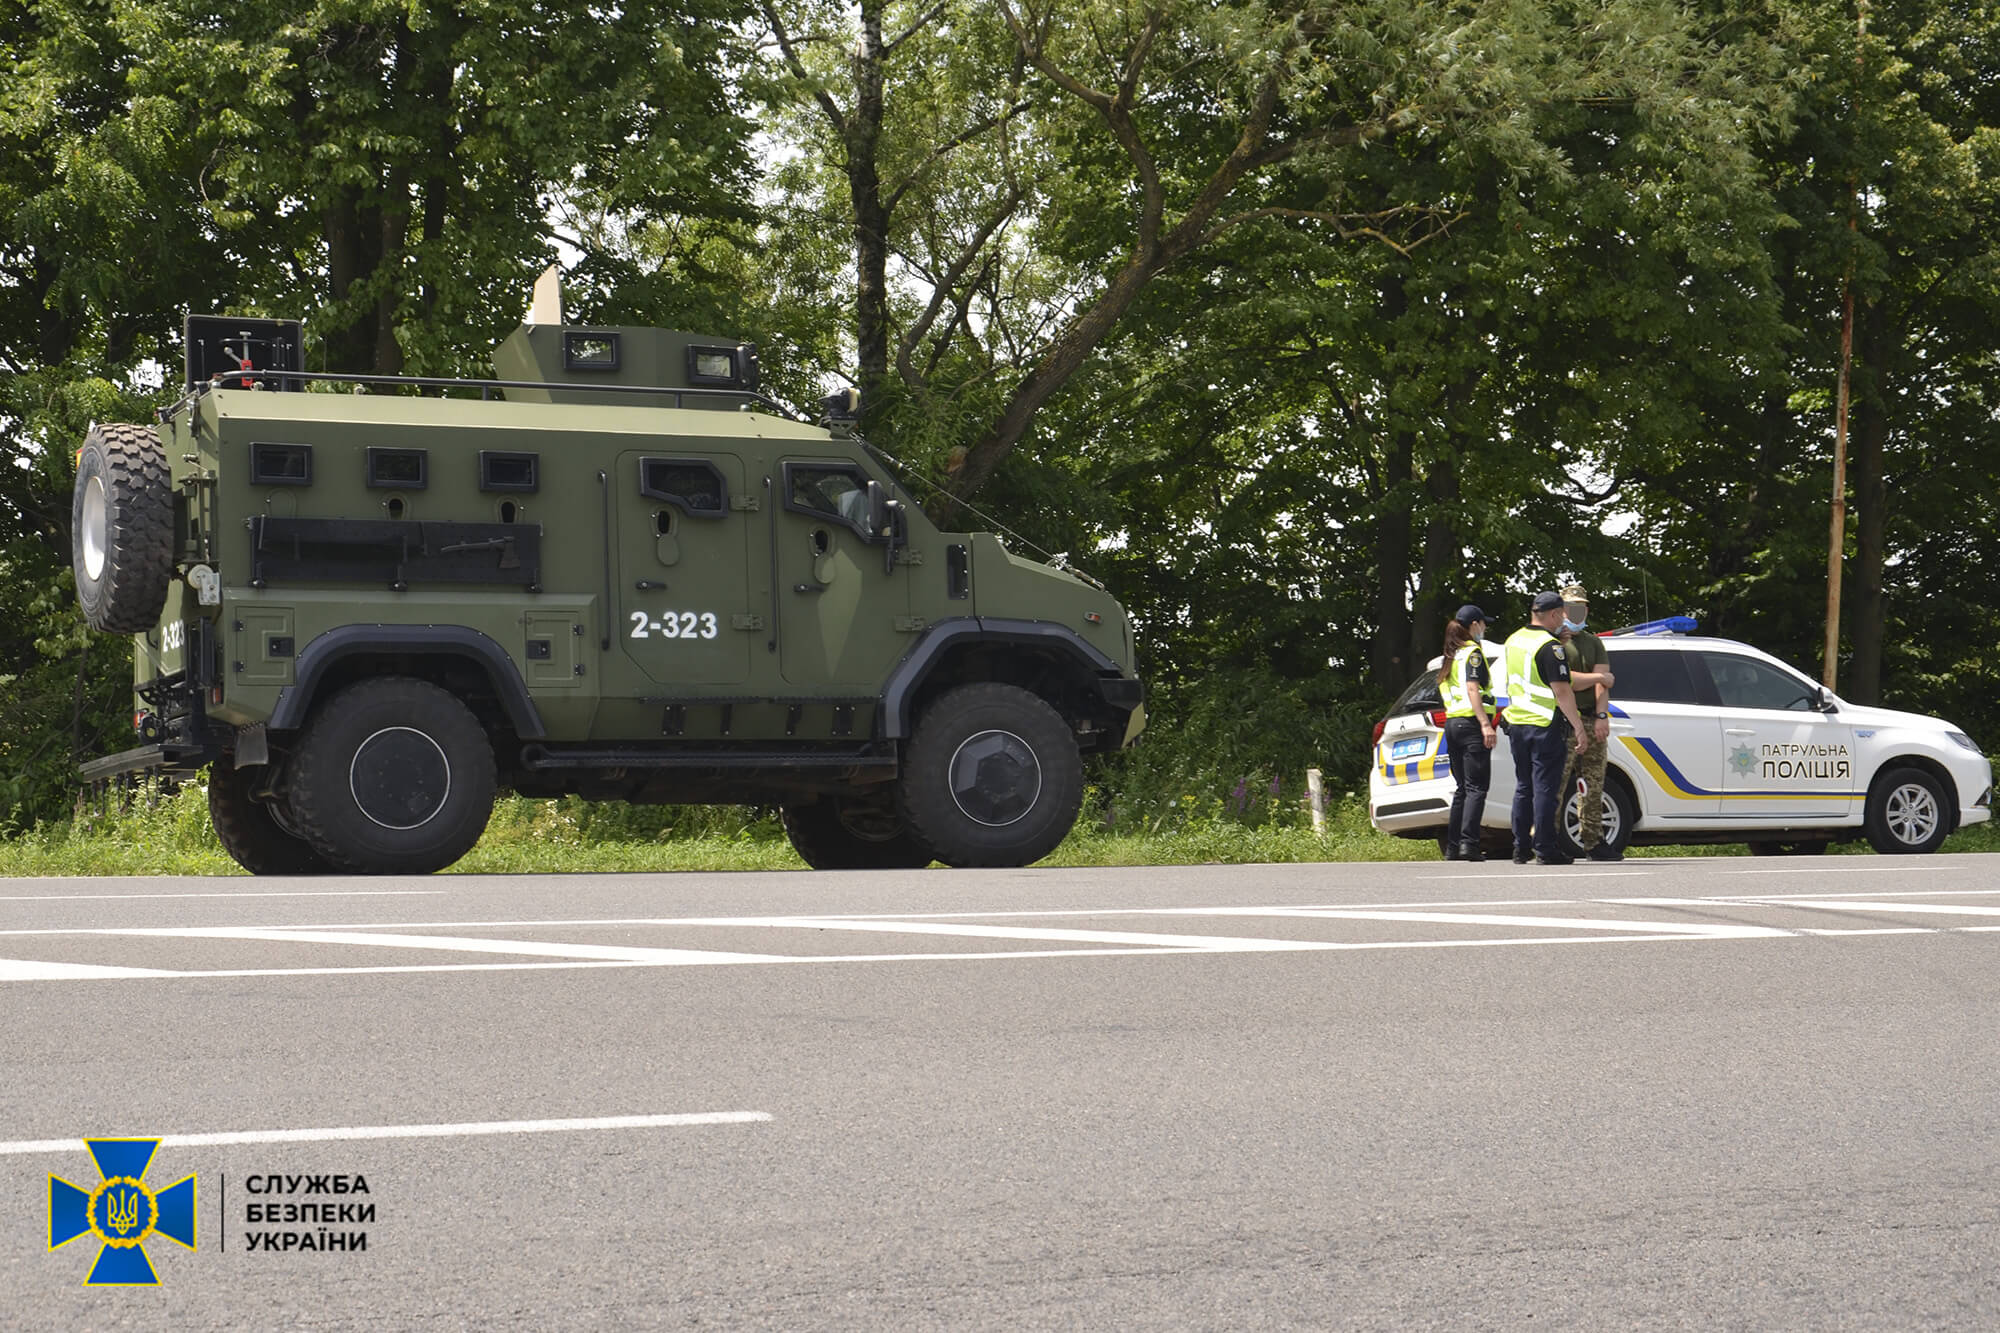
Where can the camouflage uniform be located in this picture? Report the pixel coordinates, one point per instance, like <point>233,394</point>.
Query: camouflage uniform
<point>1584,651</point>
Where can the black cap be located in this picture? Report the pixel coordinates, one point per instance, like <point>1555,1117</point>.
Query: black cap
<point>1546,601</point>
<point>1469,613</point>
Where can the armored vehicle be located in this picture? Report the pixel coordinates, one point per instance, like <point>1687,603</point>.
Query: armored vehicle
<point>368,604</point>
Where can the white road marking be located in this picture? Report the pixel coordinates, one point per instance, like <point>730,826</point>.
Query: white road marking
<point>29,969</point>
<point>1559,922</point>
<point>697,958</point>
<point>1897,893</point>
<point>1801,870</point>
<point>300,893</point>
<point>1224,943</point>
<point>542,954</point>
<point>443,943</point>
<point>1940,909</point>
<point>27,1147</point>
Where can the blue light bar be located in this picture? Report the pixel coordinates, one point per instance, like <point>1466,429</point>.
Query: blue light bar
<point>1670,625</point>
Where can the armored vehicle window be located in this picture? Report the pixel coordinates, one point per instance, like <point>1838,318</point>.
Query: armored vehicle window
<point>838,490</point>
<point>399,469</point>
<point>722,367</point>
<point>590,351</point>
<point>1649,677</point>
<point>695,487</point>
<point>281,465</point>
<point>508,472</point>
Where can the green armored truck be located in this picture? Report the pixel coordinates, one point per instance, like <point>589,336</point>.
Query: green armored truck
<point>367,604</point>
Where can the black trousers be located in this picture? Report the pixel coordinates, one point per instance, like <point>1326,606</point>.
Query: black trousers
<point>1472,768</point>
<point>1538,798</point>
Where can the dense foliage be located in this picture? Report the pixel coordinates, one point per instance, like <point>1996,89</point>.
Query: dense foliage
<point>1297,323</point>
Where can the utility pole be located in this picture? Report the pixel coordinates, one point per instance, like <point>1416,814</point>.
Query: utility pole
<point>1837,539</point>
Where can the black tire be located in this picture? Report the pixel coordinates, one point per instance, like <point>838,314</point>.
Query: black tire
<point>1619,815</point>
<point>247,830</point>
<point>122,528</point>
<point>1789,847</point>
<point>992,777</point>
<point>833,834</point>
<point>392,777</point>
<point>1907,813</point>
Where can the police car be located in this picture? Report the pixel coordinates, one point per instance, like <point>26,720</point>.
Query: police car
<point>1712,741</point>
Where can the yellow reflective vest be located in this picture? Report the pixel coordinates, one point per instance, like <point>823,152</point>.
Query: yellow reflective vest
<point>1530,701</point>
<point>1457,702</point>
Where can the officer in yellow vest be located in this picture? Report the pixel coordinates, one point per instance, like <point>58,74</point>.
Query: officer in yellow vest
<point>1541,722</point>
<point>1465,684</point>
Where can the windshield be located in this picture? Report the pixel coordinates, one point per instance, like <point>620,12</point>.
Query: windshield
<point>1421,697</point>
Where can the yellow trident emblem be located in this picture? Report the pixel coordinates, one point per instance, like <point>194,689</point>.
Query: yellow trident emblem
<point>123,1210</point>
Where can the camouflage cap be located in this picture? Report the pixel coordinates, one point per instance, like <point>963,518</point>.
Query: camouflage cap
<point>1574,593</point>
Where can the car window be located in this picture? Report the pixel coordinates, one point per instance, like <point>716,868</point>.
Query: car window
<point>1652,677</point>
<point>1744,682</point>
<point>1421,697</point>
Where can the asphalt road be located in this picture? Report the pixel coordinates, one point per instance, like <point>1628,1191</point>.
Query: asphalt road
<point>1699,1093</point>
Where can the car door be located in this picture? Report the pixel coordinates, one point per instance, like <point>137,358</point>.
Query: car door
<point>1664,734</point>
<point>682,597</point>
<point>1783,759</point>
<point>843,606</point>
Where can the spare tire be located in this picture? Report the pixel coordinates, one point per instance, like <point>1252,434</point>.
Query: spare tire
<point>122,528</point>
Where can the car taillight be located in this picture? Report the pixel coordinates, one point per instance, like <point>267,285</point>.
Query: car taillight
<point>1437,718</point>
<point>1376,739</point>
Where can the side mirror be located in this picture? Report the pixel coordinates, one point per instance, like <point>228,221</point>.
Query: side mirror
<point>878,510</point>
<point>1825,702</point>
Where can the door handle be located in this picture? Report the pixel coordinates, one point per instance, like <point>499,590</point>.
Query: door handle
<point>808,587</point>
<point>1738,731</point>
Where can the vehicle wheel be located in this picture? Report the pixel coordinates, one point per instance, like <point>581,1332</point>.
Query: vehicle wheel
<point>122,528</point>
<point>1619,816</point>
<point>1907,812</point>
<point>1799,847</point>
<point>834,834</point>
<point>992,777</point>
<point>392,776</point>
<point>248,831</point>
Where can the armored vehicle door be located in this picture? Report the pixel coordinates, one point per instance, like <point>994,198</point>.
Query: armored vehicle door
<point>843,604</point>
<point>681,595</point>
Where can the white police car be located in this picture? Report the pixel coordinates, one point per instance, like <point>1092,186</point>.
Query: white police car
<point>1712,741</point>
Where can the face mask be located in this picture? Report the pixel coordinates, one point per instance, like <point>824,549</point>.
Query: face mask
<point>1572,625</point>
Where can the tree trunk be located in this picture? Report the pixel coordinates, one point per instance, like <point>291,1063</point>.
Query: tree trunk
<point>1871,438</point>
<point>1435,602</point>
<point>1388,655</point>
<point>353,252</point>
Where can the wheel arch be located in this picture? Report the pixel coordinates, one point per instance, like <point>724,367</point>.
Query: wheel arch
<point>1051,661</point>
<point>1926,765</point>
<point>445,655</point>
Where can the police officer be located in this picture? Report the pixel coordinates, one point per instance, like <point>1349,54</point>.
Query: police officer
<point>1465,685</point>
<point>1541,718</point>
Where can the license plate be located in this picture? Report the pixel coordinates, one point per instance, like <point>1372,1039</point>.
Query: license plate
<point>1409,749</point>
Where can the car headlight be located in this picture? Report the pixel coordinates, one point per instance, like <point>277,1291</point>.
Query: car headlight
<point>1965,740</point>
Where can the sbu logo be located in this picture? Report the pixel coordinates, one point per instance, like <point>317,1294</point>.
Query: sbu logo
<point>121,1212</point>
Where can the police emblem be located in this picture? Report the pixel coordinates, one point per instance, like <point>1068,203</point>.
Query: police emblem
<point>121,1212</point>
<point>1742,760</point>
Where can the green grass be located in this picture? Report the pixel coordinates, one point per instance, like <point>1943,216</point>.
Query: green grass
<point>170,835</point>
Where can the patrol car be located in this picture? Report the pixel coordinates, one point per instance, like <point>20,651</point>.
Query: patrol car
<point>1712,741</point>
